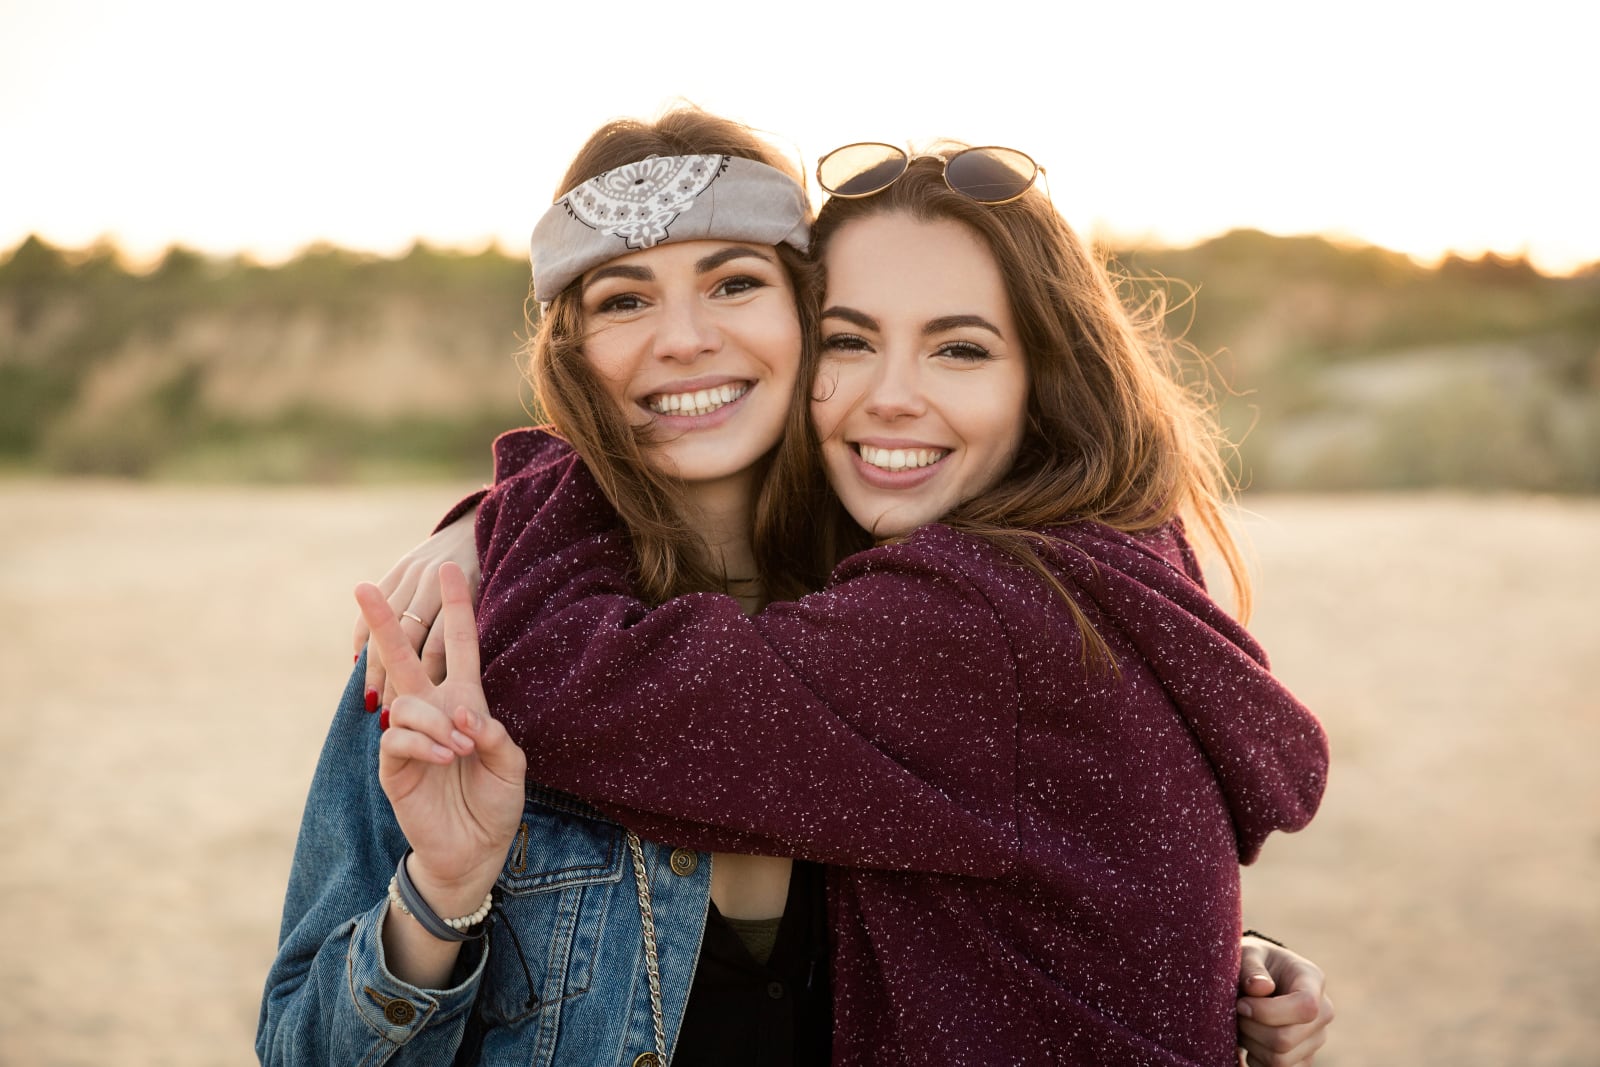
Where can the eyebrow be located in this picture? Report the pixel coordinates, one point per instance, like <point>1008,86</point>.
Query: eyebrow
<point>621,270</point>
<point>703,265</point>
<point>716,259</point>
<point>932,326</point>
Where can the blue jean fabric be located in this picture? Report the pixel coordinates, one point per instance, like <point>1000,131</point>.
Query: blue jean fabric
<point>560,978</point>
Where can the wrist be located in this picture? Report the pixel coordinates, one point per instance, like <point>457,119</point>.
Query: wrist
<point>450,897</point>
<point>405,897</point>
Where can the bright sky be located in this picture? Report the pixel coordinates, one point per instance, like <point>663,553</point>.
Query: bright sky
<point>1419,126</point>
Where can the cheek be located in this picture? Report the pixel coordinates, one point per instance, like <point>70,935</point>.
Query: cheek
<point>831,399</point>
<point>1001,429</point>
<point>606,355</point>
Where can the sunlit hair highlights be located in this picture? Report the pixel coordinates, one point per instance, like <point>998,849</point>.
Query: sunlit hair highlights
<point>671,557</point>
<point>1113,434</point>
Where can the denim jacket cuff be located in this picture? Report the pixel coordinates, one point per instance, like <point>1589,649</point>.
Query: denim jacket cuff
<point>399,1010</point>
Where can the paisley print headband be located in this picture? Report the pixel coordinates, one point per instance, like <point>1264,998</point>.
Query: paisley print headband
<point>661,199</point>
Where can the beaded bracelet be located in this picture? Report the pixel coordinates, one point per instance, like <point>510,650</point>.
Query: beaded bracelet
<point>403,895</point>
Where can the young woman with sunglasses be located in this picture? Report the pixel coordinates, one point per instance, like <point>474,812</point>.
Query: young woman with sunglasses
<point>997,821</point>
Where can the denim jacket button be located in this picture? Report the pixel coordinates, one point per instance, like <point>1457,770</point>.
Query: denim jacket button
<point>684,862</point>
<point>646,1059</point>
<point>399,1012</point>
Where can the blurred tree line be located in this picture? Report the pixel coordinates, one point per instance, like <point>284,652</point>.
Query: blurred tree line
<point>1335,367</point>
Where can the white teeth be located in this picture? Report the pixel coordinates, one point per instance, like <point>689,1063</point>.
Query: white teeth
<point>701,402</point>
<point>899,459</point>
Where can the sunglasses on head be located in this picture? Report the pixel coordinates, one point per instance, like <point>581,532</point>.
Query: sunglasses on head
<point>989,174</point>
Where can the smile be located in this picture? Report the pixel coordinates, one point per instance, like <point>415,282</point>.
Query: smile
<point>699,402</point>
<point>901,459</point>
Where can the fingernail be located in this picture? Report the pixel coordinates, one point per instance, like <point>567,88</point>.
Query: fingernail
<point>372,700</point>
<point>1245,1009</point>
<point>383,719</point>
<point>443,753</point>
<point>474,723</point>
<point>356,658</point>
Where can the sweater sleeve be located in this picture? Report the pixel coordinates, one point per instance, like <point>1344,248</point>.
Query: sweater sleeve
<point>872,724</point>
<point>514,452</point>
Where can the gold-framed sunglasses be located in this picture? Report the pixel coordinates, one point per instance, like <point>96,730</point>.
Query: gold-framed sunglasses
<point>988,174</point>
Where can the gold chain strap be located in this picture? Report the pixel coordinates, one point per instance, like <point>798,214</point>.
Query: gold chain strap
<point>652,964</point>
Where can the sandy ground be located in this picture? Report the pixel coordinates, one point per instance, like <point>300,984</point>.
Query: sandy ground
<point>172,655</point>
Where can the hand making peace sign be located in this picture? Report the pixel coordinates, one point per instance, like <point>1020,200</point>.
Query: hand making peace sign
<point>451,772</point>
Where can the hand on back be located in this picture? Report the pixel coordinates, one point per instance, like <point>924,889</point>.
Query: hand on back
<point>411,588</point>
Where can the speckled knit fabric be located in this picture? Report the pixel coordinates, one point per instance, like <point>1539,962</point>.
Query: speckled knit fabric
<point>1028,863</point>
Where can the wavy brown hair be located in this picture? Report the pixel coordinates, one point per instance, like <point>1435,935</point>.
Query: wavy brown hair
<point>670,557</point>
<point>1113,433</point>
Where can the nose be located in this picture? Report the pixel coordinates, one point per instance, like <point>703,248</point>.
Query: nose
<point>686,331</point>
<point>895,391</point>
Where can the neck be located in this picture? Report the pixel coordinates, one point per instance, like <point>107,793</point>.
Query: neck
<point>721,512</point>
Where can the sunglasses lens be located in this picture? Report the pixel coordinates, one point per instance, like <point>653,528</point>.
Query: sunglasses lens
<point>990,175</point>
<point>861,169</point>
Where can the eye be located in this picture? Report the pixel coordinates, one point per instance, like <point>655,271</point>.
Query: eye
<point>620,304</point>
<point>963,351</point>
<point>738,285</point>
<point>845,342</point>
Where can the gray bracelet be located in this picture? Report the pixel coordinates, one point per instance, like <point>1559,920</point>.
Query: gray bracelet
<point>403,895</point>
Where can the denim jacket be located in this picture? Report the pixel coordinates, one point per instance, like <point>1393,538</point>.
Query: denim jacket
<point>560,978</point>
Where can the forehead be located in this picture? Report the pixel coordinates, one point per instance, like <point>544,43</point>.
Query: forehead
<point>898,263</point>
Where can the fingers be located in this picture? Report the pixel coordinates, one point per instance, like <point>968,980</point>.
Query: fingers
<point>1254,977</point>
<point>419,730</point>
<point>1286,1030</point>
<point>1298,983</point>
<point>460,628</point>
<point>1284,1048</point>
<point>388,585</point>
<point>394,649</point>
<point>379,691</point>
<point>415,601</point>
<point>1290,1009</point>
<point>499,755</point>
<point>433,661</point>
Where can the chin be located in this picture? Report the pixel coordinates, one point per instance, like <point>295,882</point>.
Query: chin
<point>886,522</point>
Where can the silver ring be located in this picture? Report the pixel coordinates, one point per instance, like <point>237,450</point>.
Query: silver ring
<point>414,618</point>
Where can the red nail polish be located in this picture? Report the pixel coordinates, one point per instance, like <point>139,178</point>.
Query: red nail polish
<point>356,658</point>
<point>372,700</point>
<point>383,719</point>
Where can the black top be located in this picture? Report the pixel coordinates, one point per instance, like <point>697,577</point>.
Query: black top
<point>779,1014</point>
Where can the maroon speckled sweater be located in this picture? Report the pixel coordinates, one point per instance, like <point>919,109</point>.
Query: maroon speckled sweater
<point>1028,863</point>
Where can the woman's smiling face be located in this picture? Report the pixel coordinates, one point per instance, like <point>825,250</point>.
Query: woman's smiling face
<point>922,392</point>
<point>700,341</point>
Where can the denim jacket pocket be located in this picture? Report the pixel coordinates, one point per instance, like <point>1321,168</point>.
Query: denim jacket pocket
<point>560,875</point>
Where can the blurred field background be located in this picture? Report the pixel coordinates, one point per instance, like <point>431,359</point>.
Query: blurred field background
<point>200,460</point>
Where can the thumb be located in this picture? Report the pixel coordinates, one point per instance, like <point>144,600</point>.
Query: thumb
<point>1255,980</point>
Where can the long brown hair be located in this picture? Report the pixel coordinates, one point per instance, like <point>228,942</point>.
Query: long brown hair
<point>1113,434</point>
<point>671,558</point>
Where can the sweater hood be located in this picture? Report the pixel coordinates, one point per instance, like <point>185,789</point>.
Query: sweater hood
<point>1268,751</point>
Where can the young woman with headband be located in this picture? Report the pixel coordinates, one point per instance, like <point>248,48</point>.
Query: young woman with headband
<point>558,566</point>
